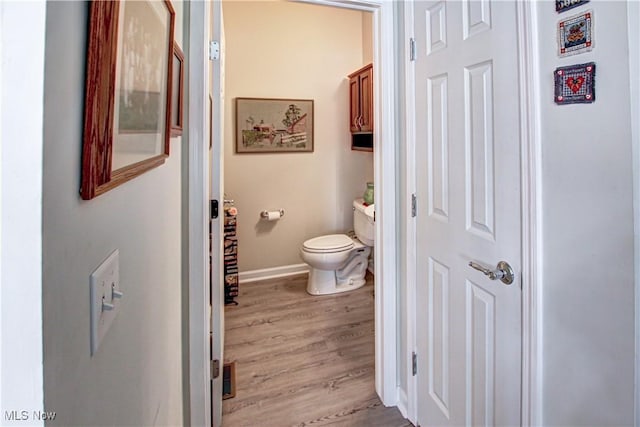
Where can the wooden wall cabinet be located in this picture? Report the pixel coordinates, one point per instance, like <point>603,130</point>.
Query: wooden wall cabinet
<point>361,108</point>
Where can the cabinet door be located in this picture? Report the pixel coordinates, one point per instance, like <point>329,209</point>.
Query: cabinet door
<point>366,100</point>
<point>354,98</point>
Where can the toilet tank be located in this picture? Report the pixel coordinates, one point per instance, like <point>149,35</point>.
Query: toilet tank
<point>363,222</point>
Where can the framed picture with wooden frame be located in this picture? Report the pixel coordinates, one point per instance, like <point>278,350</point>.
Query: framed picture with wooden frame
<point>177,90</point>
<point>274,125</point>
<point>128,92</point>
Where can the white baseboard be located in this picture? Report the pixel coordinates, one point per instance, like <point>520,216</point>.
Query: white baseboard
<point>403,402</point>
<point>272,273</point>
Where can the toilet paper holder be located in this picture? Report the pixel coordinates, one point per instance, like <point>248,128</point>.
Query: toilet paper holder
<point>265,214</point>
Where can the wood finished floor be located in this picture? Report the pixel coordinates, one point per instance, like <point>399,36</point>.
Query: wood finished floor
<point>303,360</point>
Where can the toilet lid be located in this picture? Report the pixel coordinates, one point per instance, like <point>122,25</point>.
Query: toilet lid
<point>329,243</point>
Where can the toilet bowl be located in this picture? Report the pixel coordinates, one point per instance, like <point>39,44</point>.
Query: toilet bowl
<point>338,262</point>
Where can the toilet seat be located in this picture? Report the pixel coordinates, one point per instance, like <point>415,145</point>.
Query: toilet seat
<point>331,243</point>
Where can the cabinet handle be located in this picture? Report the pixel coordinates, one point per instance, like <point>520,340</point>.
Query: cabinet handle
<point>360,122</point>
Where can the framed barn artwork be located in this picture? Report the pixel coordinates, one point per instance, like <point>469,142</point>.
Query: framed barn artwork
<point>274,125</point>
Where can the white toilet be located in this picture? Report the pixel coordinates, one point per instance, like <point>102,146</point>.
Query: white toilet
<point>338,262</point>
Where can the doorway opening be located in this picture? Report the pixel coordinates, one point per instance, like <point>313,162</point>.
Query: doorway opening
<point>384,173</point>
<point>315,190</point>
<point>385,195</point>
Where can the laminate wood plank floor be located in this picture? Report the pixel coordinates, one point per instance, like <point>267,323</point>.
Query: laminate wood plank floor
<point>303,360</point>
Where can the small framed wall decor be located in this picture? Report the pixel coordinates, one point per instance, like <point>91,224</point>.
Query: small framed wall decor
<point>575,34</point>
<point>575,84</point>
<point>564,5</point>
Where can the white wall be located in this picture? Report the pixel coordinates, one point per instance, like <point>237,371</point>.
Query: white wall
<point>279,49</point>
<point>135,378</point>
<point>22,41</point>
<point>588,281</point>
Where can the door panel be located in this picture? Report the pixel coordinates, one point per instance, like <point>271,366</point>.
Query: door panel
<point>479,173</point>
<point>438,375</point>
<point>438,148</point>
<point>366,103</point>
<point>476,17</point>
<point>468,189</point>
<point>354,97</point>
<point>480,357</point>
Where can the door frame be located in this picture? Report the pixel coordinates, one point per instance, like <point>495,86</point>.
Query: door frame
<point>22,76</point>
<point>216,185</point>
<point>531,208</point>
<point>633,21</point>
<point>199,367</point>
<point>385,173</point>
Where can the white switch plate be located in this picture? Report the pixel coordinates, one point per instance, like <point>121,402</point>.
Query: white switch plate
<point>105,303</point>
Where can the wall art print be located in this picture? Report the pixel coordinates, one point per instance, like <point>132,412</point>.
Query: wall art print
<point>127,92</point>
<point>564,5</point>
<point>575,34</point>
<point>268,125</point>
<point>575,84</point>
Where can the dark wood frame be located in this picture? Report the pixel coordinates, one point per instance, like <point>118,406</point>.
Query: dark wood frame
<point>100,98</point>
<point>176,127</point>
<point>248,101</point>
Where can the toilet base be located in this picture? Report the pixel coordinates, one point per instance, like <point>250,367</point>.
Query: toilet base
<point>324,282</point>
<point>347,278</point>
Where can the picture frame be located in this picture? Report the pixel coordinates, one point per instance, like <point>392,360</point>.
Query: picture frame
<point>128,92</point>
<point>274,125</point>
<point>575,34</point>
<point>177,87</point>
<point>575,84</point>
<point>564,5</point>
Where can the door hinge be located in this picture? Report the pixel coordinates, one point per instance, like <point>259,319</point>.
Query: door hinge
<point>214,50</point>
<point>412,49</point>
<point>215,369</point>
<point>414,363</point>
<point>414,205</point>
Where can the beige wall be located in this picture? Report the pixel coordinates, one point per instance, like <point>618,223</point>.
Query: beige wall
<point>367,38</point>
<point>292,50</point>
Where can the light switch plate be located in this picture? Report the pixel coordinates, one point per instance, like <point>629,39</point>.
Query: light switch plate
<point>105,298</point>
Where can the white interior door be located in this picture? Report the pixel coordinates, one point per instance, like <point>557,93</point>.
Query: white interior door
<point>216,176</point>
<point>468,187</point>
